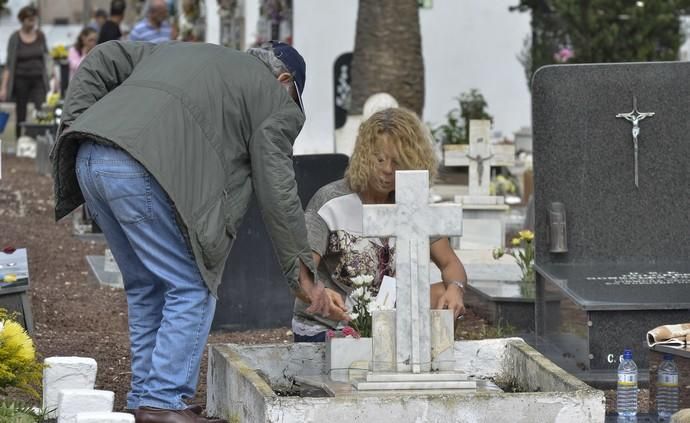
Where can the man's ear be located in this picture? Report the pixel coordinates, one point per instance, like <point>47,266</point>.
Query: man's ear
<point>285,78</point>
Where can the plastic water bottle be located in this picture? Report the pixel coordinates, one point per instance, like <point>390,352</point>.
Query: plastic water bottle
<point>667,388</point>
<point>626,399</point>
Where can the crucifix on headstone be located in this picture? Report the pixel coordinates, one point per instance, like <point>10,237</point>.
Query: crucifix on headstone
<point>635,117</point>
<point>480,157</point>
<point>412,221</point>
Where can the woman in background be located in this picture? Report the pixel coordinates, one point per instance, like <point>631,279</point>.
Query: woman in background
<point>87,39</point>
<point>25,77</point>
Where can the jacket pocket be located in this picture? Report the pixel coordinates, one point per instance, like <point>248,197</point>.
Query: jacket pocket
<point>213,238</point>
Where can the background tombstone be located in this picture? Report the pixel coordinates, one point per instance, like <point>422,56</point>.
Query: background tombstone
<point>342,88</point>
<point>346,136</point>
<point>14,295</point>
<point>253,293</point>
<point>618,256</point>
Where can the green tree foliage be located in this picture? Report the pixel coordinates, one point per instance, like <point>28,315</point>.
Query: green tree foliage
<point>472,105</point>
<point>600,31</point>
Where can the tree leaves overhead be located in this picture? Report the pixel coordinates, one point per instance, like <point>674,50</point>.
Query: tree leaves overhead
<point>601,31</point>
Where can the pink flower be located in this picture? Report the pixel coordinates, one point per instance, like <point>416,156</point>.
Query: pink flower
<point>563,55</point>
<point>349,331</point>
<point>330,333</point>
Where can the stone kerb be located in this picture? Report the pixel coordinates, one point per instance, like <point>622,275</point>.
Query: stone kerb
<point>74,401</point>
<point>243,381</point>
<point>66,373</point>
<point>97,417</point>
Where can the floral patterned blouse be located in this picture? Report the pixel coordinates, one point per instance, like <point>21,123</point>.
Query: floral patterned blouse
<point>334,223</point>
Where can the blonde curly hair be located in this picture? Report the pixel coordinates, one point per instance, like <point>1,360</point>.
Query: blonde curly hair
<point>409,136</point>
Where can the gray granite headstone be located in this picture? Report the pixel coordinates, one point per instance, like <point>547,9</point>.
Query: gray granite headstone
<point>583,158</point>
<point>619,251</point>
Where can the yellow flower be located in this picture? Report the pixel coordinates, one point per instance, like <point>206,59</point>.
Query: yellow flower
<point>59,52</point>
<point>13,335</point>
<point>515,242</point>
<point>527,235</point>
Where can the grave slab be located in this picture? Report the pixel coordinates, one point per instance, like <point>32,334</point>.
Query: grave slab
<point>74,401</point>
<point>99,275</point>
<point>257,384</point>
<point>96,417</point>
<point>605,308</point>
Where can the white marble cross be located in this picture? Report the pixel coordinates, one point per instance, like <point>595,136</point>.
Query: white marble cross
<point>412,221</point>
<point>481,157</point>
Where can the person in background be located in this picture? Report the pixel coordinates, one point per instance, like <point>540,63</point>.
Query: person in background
<point>98,20</point>
<point>25,77</point>
<point>85,42</point>
<point>155,28</point>
<point>111,28</point>
<point>391,139</point>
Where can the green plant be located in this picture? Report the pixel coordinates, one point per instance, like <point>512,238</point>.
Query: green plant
<point>523,252</point>
<point>471,105</point>
<point>16,412</point>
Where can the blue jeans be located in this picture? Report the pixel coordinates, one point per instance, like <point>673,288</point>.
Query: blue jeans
<point>169,306</point>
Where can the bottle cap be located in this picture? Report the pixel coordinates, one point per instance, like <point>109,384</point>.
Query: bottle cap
<point>668,357</point>
<point>627,354</point>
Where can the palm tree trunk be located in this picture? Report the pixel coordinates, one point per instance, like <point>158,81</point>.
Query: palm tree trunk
<point>388,54</point>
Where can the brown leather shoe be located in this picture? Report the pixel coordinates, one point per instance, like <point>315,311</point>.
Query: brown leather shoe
<point>157,415</point>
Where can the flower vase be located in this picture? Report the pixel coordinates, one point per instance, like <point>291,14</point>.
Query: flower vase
<point>348,358</point>
<point>528,284</point>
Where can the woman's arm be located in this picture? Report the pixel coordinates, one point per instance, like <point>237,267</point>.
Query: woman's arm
<point>3,87</point>
<point>74,59</point>
<point>453,275</point>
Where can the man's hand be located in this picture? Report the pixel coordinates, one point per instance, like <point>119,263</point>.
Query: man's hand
<point>327,303</point>
<point>452,299</point>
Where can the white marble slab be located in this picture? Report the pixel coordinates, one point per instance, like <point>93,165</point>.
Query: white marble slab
<point>383,341</point>
<point>399,386</point>
<point>481,234</point>
<point>442,339</point>
<point>343,355</point>
<point>489,200</point>
<point>417,377</point>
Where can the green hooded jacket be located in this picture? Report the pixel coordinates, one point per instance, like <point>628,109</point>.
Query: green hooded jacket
<point>211,124</point>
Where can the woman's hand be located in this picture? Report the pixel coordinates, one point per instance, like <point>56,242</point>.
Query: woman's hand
<point>3,95</point>
<point>452,299</point>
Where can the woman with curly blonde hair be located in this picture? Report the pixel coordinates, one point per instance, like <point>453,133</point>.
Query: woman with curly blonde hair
<point>390,140</point>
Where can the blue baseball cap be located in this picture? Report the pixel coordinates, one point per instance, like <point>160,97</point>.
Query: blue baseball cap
<point>294,62</point>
